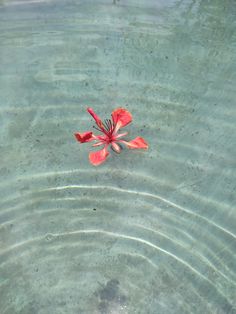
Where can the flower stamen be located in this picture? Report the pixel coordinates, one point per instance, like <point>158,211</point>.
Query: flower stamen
<point>108,125</point>
<point>98,129</point>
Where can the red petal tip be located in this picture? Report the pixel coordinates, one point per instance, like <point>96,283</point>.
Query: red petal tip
<point>96,117</point>
<point>121,116</point>
<point>84,137</point>
<point>98,157</point>
<point>138,142</point>
<point>90,110</point>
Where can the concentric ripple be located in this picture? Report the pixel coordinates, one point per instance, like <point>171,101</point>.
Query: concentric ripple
<point>149,231</point>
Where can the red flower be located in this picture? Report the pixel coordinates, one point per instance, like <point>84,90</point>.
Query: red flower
<point>120,118</point>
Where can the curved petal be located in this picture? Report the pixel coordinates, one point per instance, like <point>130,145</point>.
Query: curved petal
<point>121,117</point>
<point>84,137</point>
<point>138,142</point>
<point>97,158</point>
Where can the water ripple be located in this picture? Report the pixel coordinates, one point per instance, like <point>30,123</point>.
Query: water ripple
<point>145,194</point>
<point>119,236</point>
<point>162,228</point>
<point>132,192</point>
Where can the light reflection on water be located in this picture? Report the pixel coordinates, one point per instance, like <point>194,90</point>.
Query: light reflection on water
<point>147,232</point>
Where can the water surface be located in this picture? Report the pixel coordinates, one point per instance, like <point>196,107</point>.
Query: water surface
<point>147,232</point>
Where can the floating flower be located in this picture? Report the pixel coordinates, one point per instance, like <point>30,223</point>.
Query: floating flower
<point>110,136</point>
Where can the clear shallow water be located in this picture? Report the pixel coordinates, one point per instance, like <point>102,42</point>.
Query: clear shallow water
<point>162,238</point>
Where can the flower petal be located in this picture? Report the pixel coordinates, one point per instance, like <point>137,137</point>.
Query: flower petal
<point>96,118</point>
<point>97,158</point>
<point>138,142</point>
<point>121,116</point>
<point>116,147</point>
<point>121,135</point>
<point>98,144</point>
<point>84,137</point>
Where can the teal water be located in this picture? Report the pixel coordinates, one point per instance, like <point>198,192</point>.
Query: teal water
<point>148,232</point>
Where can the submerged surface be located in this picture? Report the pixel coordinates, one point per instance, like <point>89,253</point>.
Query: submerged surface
<point>147,232</point>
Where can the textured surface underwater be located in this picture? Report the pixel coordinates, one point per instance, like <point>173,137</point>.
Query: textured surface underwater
<point>148,232</point>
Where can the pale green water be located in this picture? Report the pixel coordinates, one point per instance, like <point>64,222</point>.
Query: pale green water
<point>162,238</point>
